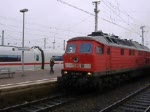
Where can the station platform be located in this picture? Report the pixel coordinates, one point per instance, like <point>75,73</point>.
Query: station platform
<point>35,83</point>
<point>33,75</point>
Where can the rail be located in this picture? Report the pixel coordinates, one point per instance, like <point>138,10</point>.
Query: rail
<point>40,105</point>
<point>6,71</point>
<point>138,101</point>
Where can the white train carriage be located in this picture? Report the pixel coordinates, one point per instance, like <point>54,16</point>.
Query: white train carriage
<point>34,58</point>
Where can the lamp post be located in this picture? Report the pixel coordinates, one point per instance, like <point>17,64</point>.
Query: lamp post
<point>23,11</point>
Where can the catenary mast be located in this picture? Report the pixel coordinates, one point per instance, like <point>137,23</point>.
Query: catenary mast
<point>96,14</point>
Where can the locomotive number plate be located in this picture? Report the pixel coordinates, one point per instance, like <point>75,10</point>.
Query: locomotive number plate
<point>75,65</point>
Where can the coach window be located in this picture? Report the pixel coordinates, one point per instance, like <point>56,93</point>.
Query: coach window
<point>71,48</point>
<point>99,50</point>
<point>10,58</point>
<point>86,48</point>
<point>58,58</point>
<point>37,57</point>
<point>122,52</point>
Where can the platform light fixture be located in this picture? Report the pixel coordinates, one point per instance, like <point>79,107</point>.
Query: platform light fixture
<point>23,11</point>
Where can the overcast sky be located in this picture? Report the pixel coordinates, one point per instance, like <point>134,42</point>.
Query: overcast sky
<point>55,20</point>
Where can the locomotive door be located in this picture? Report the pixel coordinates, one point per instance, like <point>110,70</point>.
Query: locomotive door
<point>108,59</point>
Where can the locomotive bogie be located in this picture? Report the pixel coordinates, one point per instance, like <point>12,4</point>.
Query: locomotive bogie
<point>75,78</point>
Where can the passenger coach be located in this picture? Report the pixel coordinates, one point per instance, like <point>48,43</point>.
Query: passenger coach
<point>35,58</point>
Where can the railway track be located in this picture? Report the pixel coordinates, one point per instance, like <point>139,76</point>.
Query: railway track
<point>136,102</point>
<point>40,105</point>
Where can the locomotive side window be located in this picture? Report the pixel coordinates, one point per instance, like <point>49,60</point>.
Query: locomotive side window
<point>99,50</point>
<point>86,48</point>
<point>122,52</point>
<point>133,52</point>
<point>10,58</point>
<point>129,51</point>
<point>108,51</point>
<point>71,48</point>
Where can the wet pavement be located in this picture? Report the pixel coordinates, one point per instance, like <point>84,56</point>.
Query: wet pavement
<point>18,77</point>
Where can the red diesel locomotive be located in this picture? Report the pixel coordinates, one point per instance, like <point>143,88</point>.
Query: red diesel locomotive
<point>99,57</point>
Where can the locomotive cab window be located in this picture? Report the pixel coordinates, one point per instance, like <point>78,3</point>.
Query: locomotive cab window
<point>99,50</point>
<point>86,48</point>
<point>71,48</point>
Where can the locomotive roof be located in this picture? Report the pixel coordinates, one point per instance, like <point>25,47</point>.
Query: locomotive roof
<point>113,41</point>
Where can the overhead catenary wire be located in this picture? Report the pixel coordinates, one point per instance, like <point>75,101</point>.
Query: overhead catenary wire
<point>39,25</point>
<point>120,18</point>
<point>94,15</point>
<point>39,30</point>
<point>123,12</point>
<point>28,37</point>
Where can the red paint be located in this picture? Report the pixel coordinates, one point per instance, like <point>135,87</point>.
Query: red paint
<point>106,62</point>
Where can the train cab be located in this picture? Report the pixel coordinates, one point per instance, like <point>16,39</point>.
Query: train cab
<point>84,57</point>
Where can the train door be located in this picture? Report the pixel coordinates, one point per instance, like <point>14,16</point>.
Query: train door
<point>37,60</point>
<point>100,58</point>
<point>108,58</point>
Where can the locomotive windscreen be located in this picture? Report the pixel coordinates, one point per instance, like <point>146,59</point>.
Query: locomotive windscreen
<point>86,48</point>
<point>71,48</point>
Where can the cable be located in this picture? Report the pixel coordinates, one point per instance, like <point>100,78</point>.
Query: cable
<point>75,7</point>
<point>93,15</point>
<point>133,30</point>
<point>85,19</point>
<point>48,27</point>
<point>34,30</point>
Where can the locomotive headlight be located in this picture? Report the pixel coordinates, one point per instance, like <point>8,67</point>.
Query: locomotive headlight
<point>65,72</point>
<point>89,74</point>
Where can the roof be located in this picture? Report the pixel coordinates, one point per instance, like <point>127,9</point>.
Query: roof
<point>112,41</point>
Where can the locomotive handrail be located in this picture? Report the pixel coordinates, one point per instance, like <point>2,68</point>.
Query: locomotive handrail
<point>6,71</point>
